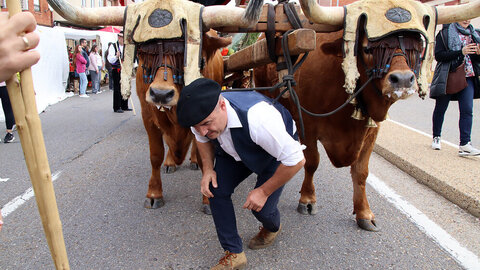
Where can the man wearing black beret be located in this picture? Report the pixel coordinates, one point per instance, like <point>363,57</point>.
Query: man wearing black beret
<point>241,133</point>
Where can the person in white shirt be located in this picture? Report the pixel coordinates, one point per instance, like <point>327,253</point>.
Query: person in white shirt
<point>237,134</point>
<point>115,53</point>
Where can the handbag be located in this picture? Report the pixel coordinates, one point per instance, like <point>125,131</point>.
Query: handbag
<point>456,80</point>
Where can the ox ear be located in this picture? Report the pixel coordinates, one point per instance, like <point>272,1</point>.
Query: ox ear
<point>214,42</point>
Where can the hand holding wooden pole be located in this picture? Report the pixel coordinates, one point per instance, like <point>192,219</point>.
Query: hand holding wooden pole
<point>31,137</point>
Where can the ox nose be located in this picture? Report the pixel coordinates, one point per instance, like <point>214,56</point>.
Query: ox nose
<point>402,79</point>
<point>161,95</point>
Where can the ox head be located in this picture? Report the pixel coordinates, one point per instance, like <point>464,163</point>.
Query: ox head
<point>398,38</point>
<point>167,35</point>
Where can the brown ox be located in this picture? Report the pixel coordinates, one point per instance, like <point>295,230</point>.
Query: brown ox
<point>320,88</point>
<point>158,101</point>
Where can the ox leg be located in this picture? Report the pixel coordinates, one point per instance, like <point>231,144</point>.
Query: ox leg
<point>193,157</point>
<point>157,151</point>
<point>308,202</point>
<point>359,171</point>
<point>169,165</point>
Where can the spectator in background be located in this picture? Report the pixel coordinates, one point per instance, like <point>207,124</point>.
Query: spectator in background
<point>115,55</point>
<point>108,66</point>
<point>101,67</point>
<point>93,69</point>
<point>80,63</point>
<point>457,41</point>
<point>7,110</point>
<point>83,43</point>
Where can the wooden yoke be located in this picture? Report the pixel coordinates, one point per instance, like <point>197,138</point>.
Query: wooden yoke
<point>299,41</point>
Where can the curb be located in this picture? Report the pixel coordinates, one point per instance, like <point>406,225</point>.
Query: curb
<point>455,178</point>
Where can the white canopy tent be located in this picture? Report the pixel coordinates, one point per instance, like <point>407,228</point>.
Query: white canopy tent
<point>50,74</point>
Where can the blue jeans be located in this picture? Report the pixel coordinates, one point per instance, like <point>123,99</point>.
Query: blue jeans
<point>83,83</point>
<point>230,173</point>
<point>94,77</point>
<point>465,105</point>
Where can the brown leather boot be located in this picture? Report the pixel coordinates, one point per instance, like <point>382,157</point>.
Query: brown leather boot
<point>231,261</point>
<point>264,238</point>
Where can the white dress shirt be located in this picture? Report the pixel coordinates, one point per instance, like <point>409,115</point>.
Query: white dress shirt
<point>112,57</point>
<point>267,129</point>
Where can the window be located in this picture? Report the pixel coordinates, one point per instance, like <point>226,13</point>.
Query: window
<point>24,4</point>
<point>92,3</point>
<point>3,4</point>
<point>84,3</point>
<point>36,5</point>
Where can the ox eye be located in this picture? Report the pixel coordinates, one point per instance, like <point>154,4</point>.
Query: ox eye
<point>367,51</point>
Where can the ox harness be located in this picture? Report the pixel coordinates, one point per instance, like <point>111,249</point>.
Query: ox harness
<point>383,52</point>
<point>155,55</point>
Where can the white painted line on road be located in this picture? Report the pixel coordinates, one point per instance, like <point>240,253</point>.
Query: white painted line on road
<point>420,132</point>
<point>19,200</point>
<point>4,179</point>
<point>463,256</point>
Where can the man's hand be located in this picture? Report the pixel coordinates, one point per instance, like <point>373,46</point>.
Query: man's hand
<point>256,200</point>
<point>208,176</point>
<point>16,41</point>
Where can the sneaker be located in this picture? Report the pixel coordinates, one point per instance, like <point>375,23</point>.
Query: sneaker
<point>231,261</point>
<point>84,96</point>
<point>8,138</point>
<point>436,143</point>
<point>263,239</point>
<point>119,111</point>
<point>468,150</point>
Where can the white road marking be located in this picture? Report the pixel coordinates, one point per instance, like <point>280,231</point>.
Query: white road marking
<point>463,256</point>
<point>4,179</point>
<point>19,200</point>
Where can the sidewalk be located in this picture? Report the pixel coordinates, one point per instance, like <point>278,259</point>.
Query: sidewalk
<point>456,178</point>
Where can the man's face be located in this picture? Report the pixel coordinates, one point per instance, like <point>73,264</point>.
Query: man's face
<point>120,40</point>
<point>84,43</point>
<point>215,123</point>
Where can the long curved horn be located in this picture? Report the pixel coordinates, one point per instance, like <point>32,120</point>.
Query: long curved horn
<point>223,16</point>
<point>322,15</point>
<point>88,16</point>
<point>451,14</point>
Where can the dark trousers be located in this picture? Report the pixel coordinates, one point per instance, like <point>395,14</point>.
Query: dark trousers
<point>7,107</point>
<point>118,101</point>
<point>465,106</point>
<point>230,173</point>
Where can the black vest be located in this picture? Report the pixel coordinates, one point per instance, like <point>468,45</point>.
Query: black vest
<point>251,154</point>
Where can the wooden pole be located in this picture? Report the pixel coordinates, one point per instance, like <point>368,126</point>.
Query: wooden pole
<point>29,127</point>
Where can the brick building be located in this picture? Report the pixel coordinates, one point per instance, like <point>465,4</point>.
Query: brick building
<point>39,9</point>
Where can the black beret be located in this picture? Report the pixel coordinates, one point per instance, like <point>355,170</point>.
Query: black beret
<point>197,101</point>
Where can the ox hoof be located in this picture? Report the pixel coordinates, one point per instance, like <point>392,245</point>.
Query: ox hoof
<point>153,203</point>
<point>307,208</point>
<point>368,225</point>
<point>170,169</point>
<point>194,166</point>
<point>206,209</point>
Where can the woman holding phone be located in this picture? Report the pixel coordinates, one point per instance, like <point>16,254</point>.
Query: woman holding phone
<point>458,43</point>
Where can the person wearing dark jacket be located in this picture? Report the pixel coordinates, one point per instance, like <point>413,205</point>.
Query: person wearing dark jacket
<point>456,43</point>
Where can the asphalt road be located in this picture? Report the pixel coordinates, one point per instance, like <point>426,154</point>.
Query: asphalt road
<point>100,161</point>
